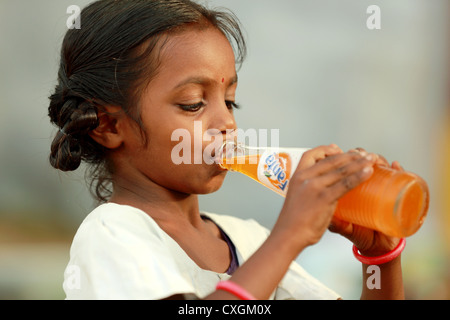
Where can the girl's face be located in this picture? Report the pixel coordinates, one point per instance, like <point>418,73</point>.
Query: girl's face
<point>196,82</point>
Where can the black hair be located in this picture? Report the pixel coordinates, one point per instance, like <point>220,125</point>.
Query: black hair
<point>101,64</point>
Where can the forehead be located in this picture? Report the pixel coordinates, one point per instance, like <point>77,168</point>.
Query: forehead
<point>200,50</point>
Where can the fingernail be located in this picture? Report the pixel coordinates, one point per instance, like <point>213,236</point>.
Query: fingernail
<point>368,170</point>
<point>369,157</point>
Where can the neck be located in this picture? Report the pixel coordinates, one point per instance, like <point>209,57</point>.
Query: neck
<point>165,206</point>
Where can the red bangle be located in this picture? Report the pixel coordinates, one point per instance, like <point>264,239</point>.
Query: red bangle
<point>235,290</point>
<point>383,258</point>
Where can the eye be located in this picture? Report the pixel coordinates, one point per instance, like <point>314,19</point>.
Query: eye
<point>192,107</point>
<point>232,104</point>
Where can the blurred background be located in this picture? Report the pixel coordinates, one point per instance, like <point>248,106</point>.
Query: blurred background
<point>314,70</point>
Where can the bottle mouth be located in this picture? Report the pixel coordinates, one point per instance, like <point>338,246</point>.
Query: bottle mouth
<point>229,150</point>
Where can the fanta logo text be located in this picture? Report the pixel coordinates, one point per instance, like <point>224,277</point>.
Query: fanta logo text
<point>277,169</point>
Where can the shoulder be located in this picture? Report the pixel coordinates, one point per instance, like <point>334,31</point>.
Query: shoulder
<point>117,221</point>
<point>113,225</point>
<point>121,252</point>
<point>110,214</point>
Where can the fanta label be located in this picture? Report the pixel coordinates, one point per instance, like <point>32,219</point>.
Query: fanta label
<point>276,167</point>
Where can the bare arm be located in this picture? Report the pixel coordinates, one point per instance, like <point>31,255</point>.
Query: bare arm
<point>390,282</point>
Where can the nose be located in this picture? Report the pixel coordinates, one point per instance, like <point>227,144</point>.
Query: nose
<point>222,118</point>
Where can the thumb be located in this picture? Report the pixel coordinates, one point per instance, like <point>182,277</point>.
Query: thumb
<point>341,227</point>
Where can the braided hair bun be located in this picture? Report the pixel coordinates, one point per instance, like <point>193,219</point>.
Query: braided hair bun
<point>72,144</point>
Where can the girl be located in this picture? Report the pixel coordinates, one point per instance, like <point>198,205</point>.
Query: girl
<point>135,72</point>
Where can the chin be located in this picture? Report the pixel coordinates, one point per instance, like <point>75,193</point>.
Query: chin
<point>212,185</point>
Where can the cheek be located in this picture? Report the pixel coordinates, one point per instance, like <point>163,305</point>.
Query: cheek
<point>170,165</point>
<point>173,158</point>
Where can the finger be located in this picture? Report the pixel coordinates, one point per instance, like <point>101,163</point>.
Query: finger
<point>349,182</point>
<point>382,161</point>
<point>356,166</point>
<point>340,226</point>
<point>336,162</point>
<point>334,176</point>
<point>362,151</point>
<point>314,155</point>
<point>396,165</point>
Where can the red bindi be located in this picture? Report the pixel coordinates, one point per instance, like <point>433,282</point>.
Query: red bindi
<point>223,80</point>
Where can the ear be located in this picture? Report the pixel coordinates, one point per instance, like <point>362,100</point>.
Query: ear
<point>108,132</point>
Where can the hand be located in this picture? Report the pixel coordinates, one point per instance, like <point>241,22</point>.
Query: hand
<point>369,242</point>
<point>324,175</point>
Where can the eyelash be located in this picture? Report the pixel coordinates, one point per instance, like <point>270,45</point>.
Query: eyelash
<point>232,105</point>
<point>197,106</point>
<point>192,107</point>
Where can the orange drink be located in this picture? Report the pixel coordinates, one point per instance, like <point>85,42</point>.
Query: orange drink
<point>390,201</point>
<point>243,164</point>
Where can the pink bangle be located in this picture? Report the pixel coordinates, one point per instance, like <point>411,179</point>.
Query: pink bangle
<point>235,290</point>
<point>383,258</point>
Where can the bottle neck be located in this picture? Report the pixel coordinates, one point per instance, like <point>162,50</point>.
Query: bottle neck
<point>233,155</point>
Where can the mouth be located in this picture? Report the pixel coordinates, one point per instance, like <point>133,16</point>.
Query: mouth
<point>216,154</point>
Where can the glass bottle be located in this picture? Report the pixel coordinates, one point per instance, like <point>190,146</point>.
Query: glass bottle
<point>390,201</point>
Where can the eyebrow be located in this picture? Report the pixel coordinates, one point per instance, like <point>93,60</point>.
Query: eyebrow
<point>202,80</point>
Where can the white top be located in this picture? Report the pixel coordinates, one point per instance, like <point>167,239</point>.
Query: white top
<point>119,252</point>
